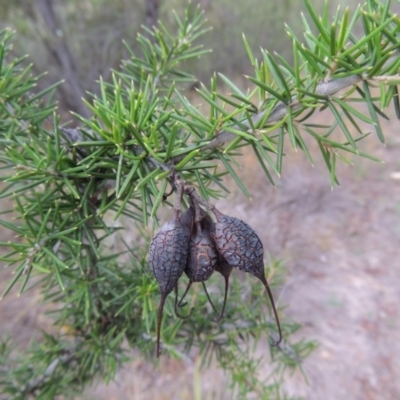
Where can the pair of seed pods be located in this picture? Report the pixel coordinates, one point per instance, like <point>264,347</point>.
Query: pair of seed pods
<point>192,243</point>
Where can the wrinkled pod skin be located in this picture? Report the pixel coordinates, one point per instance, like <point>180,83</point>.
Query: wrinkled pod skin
<point>187,220</point>
<point>222,266</point>
<point>241,248</point>
<point>203,256</point>
<point>168,255</point>
<point>238,244</point>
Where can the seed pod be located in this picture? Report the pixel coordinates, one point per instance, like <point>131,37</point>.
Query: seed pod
<point>187,219</point>
<point>238,244</point>
<point>203,256</point>
<point>167,258</point>
<point>240,247</point>
<point>222,266</point>
<point>201,263</point>
<point>202,259</point>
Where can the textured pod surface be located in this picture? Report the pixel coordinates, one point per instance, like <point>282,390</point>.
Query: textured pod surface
<point>168,253</point>
<point>238,244</point>
<point>223,267</point>
<point>203,255</point>
<point>187,219</point>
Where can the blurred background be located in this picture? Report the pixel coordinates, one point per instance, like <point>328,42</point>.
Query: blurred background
<point>341,247</point>
<point>80,40</point>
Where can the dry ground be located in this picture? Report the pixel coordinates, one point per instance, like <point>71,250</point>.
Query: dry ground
<point>342,248</point>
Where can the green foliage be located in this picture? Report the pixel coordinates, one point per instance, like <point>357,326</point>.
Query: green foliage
<point>68,185</point>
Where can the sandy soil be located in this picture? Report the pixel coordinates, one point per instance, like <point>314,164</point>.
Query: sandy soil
<point>342,248</point>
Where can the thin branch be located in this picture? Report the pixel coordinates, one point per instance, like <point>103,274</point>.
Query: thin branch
<point>325,88</point>
<point>280,110</point>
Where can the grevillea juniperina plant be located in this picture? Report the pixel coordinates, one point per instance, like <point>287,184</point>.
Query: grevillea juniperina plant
<point>195,244</point>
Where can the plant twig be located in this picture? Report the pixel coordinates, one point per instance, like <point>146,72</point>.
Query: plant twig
<point>325,88</point>
<point>280,110</point>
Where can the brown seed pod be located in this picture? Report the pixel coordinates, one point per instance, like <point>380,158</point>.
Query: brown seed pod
<point>222,266</point>
<point>203,255</point>
<point>240,247</point>
<point>202,260</point>
<point>167,258</point>
<point>187,219</point>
